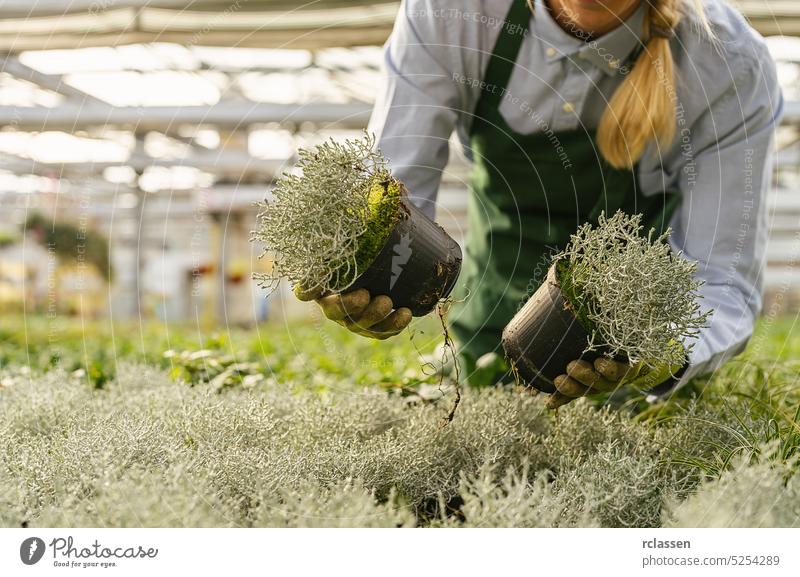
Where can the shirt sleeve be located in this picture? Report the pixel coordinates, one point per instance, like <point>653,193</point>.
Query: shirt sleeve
<point>722,223</point>
<point>417,102</point>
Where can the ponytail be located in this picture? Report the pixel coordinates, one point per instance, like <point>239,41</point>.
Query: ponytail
<point>643,107</point>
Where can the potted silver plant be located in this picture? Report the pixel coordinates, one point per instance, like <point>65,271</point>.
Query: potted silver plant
<point>611,292</point>
<point>341,222</point>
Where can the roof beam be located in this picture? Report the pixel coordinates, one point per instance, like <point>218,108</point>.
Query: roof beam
<point>55,82</point>
<point>70,116</point>
<point>26,8</point>
<point>234,163</point>
<point>771,17</point>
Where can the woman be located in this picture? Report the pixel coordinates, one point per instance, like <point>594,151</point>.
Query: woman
<point>572,107</point>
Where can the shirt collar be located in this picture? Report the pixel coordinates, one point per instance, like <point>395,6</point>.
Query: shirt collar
<point>609,52</point>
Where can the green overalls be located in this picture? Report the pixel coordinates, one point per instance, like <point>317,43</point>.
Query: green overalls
<point>529,193</point>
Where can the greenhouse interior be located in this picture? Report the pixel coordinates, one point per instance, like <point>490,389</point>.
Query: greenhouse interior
<point>149,123</point>
<point>270,264</point>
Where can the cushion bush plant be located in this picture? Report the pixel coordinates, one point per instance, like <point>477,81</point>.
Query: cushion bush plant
<point>762,492</point>
<point>614,292</point>
<point>344,222</point>
<point>636,297</point>
<point>147,451</point>
<point>329,437</point>
<point>328,219</point>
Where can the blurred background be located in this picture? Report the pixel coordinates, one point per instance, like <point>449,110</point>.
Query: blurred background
<point>136,136</point>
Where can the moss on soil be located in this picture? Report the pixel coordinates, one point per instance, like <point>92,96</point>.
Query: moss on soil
<point>571,294</point>
<point>384,201</point>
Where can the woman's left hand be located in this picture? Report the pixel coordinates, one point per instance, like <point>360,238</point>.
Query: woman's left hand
<point>604,375</point>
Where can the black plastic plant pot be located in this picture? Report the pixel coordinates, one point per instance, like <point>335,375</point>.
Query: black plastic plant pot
<point>418,264</point>
<point>544,336</point>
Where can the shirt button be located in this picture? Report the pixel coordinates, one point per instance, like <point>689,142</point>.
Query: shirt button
<point>551,51</point>
<point>567,107</point>
<point>613,64</point>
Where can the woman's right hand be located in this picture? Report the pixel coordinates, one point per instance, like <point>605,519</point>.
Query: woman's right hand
<point>361,313</point>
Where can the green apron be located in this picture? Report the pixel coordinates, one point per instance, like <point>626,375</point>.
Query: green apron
<point>528,194</point>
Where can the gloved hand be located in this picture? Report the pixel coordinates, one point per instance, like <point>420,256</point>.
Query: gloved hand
<point>584,378</point>
<point>361,313</point>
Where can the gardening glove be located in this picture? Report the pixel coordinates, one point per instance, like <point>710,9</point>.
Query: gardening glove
<point>361,313</point>
<point>605,375</point>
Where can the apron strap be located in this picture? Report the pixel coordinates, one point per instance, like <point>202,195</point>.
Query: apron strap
<point>504,55</point>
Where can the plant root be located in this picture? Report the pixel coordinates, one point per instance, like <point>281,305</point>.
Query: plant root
<point>442,308</point>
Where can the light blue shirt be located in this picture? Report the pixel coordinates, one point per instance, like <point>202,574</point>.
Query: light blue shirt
<point>727,105</point>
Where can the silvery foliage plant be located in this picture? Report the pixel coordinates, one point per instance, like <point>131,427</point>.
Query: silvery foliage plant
<point>312,225</point>
<point>639,296</point>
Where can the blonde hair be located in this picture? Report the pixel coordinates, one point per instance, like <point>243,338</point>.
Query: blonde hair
<point>642,109</point>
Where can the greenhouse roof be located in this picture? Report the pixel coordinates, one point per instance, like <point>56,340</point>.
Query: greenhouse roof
<point>58,24</point>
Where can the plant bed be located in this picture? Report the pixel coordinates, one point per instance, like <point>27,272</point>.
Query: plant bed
<point>346,223</point>
<point>612,292</point>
